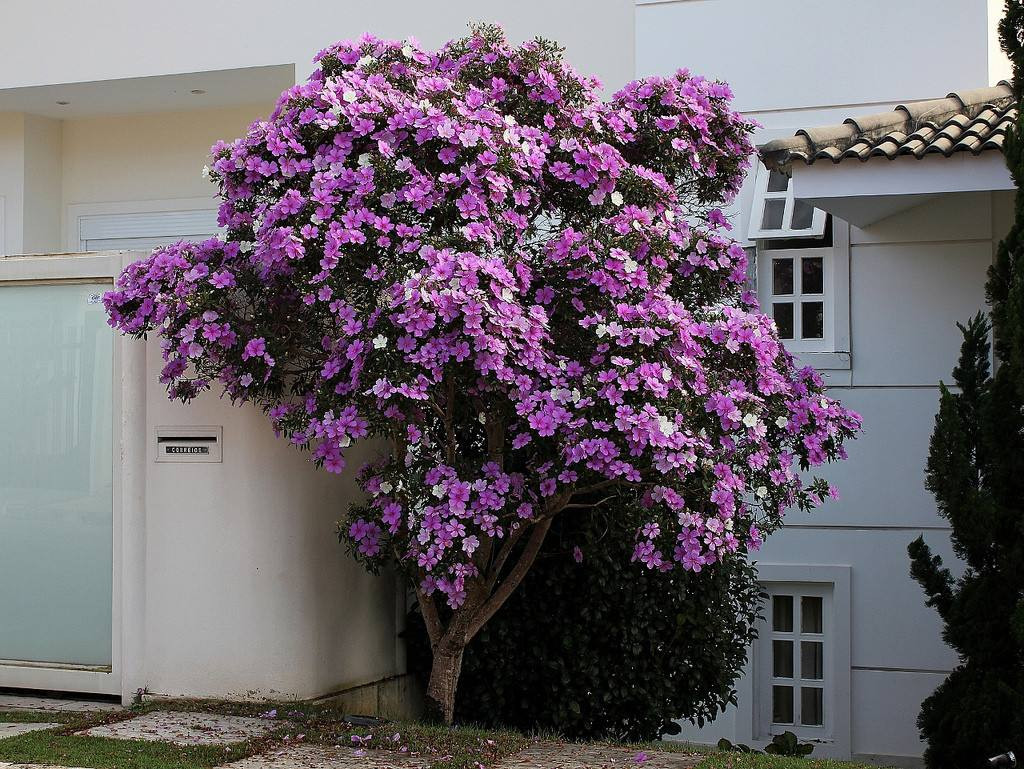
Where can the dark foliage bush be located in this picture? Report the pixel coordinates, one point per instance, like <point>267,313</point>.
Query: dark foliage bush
<point>605,647</point>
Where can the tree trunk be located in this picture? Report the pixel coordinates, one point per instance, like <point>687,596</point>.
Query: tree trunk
<point>444,679</point>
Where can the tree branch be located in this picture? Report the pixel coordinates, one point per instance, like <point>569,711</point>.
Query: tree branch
<point>435,630</point>
<point>511,582</point>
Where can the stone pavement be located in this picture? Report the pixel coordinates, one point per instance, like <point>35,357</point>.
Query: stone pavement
<point>184,728</point>
<point>18,702</point>
<point>316,757</point>
<point>568,755</point>
<point>541,755</point>
<point>13,730</point>
<point>198,728</point>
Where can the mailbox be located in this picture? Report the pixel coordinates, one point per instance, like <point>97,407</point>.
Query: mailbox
<point>189,443</point>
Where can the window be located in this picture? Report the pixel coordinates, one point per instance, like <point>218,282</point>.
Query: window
<point>776,213</point>
<point>139,225</point>
<point>795,659</point>
<point>794,286</point>
<point>801,272</point>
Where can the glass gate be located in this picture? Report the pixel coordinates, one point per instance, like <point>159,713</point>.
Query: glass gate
<point>56,474</point>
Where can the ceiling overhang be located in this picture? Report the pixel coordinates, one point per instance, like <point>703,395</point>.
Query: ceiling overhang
<point>863,193</point>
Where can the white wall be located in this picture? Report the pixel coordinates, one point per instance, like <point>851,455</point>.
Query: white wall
<point>121,38</point>
<point>796,54</point>
<point>146,157</point>
<point>912,277</point>
<point>248,593</point>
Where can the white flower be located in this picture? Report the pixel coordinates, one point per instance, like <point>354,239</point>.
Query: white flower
<point>602,330</point>
<point>668,427</point>
<point>386,487</point>
<point>670,216</point>
<point>637,226</point>
<point>781,423</point>
<point>824,403</point>
<point>206,172</point>
<point>617,198</point>
<point>345,442</point>
<point>364,159</point>
<point>438,491</point>
<point>507,294</point>
<point>762,491</point>
<point>629,266</point>
<point>380,342</point>
<point>750,420</point>
<point>483,418</point>
<point>363,61</point>
<point>349,95</point>
<point>666,374</point>
<point>407,51</point>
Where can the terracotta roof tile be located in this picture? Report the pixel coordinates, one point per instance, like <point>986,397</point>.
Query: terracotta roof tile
<point>968,121</point>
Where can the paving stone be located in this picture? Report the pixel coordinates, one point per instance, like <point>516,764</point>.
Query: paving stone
<point>184,728</point>
<point>13,730</point>
<point>563,755</point>
<point>18,702</point>
<point>318,757</point>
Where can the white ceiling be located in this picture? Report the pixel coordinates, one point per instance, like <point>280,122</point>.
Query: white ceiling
<point>223,88</point>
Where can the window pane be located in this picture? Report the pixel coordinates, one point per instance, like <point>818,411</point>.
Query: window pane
<point>777,182</point>
<point>782,613</point>
<point>812,275</point>
<point>812,706</point>
<point>812,660</point>
<point>811,614</point>
<point>782,276</point>
<point>783,314</point>
<point>773,212</point>
<point>782,659</point>
<point>803,215</point>
<point>56,475</point>
<point>782,704</point>
<point>812,321</point>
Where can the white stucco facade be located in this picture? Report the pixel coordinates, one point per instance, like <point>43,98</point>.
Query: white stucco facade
<point>913,272</point>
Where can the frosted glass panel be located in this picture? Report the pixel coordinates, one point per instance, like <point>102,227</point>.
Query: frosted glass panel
<point>56,474</point>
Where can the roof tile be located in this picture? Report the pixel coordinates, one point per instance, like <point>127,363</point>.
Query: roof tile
<point>968,121</point>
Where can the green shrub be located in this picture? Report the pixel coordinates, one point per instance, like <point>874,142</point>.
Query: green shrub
<point>605,647</point>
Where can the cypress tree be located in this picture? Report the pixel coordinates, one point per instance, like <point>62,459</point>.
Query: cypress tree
<point>975,470</point>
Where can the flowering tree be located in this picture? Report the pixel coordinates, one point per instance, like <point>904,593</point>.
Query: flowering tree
<point>520,287</point>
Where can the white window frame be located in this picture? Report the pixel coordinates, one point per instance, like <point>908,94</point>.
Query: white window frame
<point>82,214</point>
<point>761,197</point>
<point>751,727</point>
<point>830,355</point>
<point>796,682</point>
<point>768,297</point>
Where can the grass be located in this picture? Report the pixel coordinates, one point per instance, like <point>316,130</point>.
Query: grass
<point>61,746</point>
<point>443,747</point>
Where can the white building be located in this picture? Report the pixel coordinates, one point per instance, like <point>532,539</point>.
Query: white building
<point>120,572</point>
<point>870,294</point>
